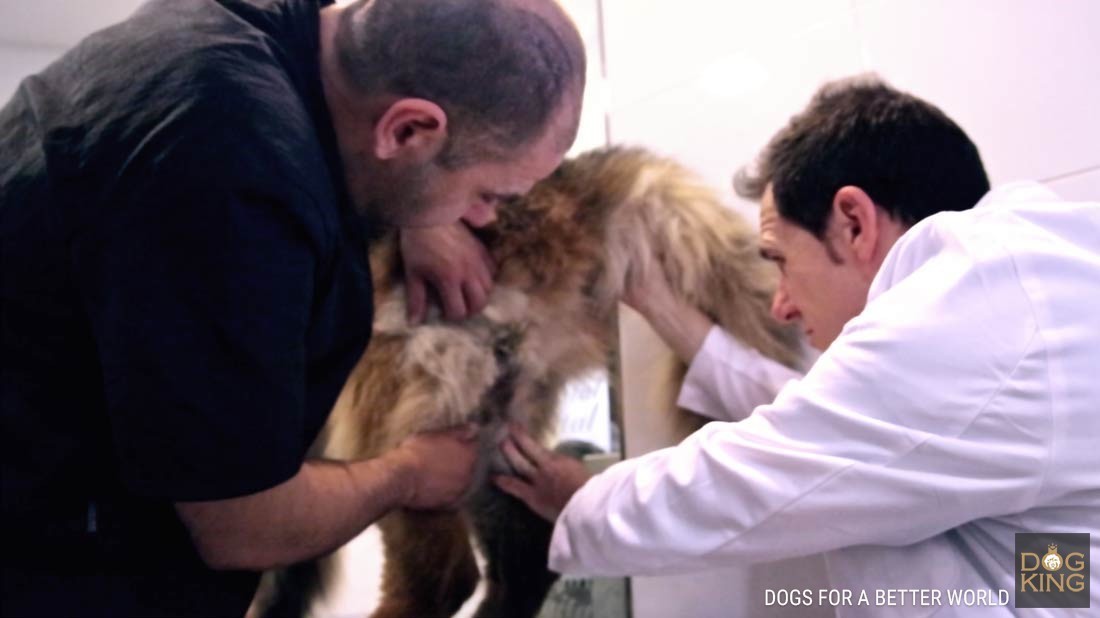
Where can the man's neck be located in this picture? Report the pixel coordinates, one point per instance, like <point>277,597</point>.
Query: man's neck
<point>889,233</point>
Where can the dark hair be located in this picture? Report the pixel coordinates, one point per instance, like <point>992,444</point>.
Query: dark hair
<point>500,69</point>
<point>905,153</point>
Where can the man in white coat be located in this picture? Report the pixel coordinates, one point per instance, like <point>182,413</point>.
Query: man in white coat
<point>955,403</point>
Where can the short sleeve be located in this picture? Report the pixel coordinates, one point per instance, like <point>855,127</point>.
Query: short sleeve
<point>199,296</point>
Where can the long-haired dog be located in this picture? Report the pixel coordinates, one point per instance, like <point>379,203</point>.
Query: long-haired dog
<point>563,252</point>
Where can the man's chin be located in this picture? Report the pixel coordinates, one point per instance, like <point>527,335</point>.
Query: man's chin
<point>816,340</point>
<point>820,341</point>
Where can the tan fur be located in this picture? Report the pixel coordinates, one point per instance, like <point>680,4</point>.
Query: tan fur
<point>563,252</point>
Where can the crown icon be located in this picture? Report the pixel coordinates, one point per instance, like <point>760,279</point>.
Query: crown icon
<point>1052,548</point>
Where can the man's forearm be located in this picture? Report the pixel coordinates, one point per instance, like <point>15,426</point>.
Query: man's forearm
<point>684,328</point>
<point>322,507</point>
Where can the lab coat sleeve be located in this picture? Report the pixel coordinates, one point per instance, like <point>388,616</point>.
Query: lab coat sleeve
<point>930,410</point>
<point>727,379</point>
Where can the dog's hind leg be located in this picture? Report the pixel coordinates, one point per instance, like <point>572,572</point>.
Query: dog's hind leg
<point>430,569</point>
<point>516,542</point>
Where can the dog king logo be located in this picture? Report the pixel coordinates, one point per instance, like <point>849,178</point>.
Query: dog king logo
<point>1052,570</point>
<point>1052,561</point>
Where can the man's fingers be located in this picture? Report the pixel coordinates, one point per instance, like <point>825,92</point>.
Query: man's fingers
<point>478,281</point>
<point>454,305</point>
<point>475,296</point>
<point>530,449</point>
<point>490,266</point>
<point>416,299</point>
<point>523,466</point>
<point>515,487</point>
<point>484,278</point>
<point>480,251</point>
<point>632,281</point>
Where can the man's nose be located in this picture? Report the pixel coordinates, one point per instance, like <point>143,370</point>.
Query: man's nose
<point>783,310</point>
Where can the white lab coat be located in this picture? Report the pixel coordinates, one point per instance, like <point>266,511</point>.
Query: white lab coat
<point>727,379</point>
<point>960,407</point>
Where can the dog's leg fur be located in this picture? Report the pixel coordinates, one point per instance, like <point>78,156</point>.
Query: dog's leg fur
<point>430,569</point>
<point>516,544</point>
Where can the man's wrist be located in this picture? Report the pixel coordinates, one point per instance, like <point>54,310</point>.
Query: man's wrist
<point>393,477</point>
<point>683,327</point>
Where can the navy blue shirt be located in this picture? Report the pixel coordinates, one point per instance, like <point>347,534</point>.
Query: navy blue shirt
<point>184,291</point>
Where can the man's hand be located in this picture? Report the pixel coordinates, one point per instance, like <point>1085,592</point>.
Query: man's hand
<point>546,481</point>
<point>454,262</point>
<point>327,503</point>
<point>436,467</point>
<point>648,292</point>
<point>683,327</point>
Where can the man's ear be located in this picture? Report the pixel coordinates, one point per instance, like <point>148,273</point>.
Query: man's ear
<point>413,129</point>
<point>855,222</point>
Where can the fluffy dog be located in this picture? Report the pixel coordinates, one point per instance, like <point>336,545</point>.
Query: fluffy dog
<point>564,252</point>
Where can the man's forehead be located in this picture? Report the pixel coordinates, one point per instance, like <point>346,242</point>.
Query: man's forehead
<point>769,216</point>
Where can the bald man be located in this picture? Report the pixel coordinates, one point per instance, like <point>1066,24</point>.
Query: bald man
<point>186,201</point>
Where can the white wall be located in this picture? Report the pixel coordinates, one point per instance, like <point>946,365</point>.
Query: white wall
<point>18,61</point>
<point>709,82</point>
<point>33,34</point>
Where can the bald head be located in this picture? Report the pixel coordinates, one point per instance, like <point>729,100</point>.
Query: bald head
<point>506,72</point>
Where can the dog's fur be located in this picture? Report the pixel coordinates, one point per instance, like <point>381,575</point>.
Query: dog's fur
<point>564,252</point>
